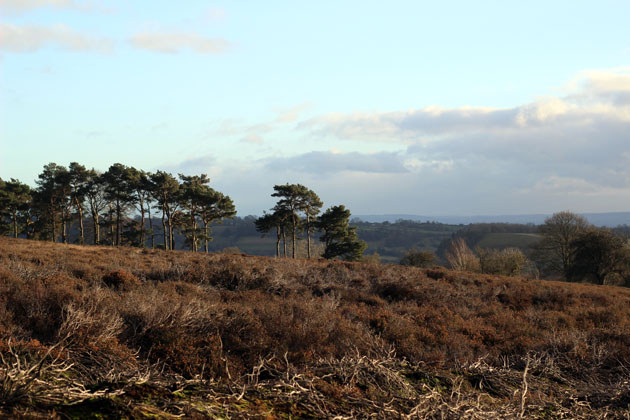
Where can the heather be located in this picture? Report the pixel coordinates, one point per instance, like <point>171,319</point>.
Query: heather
<point>235,336</point>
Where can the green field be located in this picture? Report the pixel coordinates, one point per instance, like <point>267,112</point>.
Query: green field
<point>507,240</point>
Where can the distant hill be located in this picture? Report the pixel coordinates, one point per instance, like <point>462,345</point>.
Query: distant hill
<point>598,219</point>
<point>389,240</point>
<point>390,236</point>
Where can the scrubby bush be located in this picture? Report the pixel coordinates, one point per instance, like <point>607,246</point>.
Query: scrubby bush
<point>505,262</point>
<point>120,280</point>
<point>374,258</point>
<point>415,258</point>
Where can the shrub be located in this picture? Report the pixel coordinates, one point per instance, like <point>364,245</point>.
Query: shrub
<point>371,259</point>
<point>121,280</point>
<point>416,258</point>
<point>506,262</point>
<point>36,306</point>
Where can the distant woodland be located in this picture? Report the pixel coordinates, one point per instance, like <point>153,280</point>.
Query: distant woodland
<point>125,206</point>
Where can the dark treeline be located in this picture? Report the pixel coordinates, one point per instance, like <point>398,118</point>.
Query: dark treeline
<point>115,208</point>
<point>392,240</point>
<point>125,206</point>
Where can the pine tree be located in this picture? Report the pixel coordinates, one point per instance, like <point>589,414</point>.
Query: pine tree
<point>294,199</point>
<point>15,199</point>
<point>118,191</point>
<point>290,202</point>
<point>340,239</point>
<point>78,179</point>
<point>310,204</point>
<point>52,198</point>
<point>193,189</point>
<point>214,207</point>
<point>165,190</point>
<point>140,190</point>
<point>94,192</point>
<point>277,220</point>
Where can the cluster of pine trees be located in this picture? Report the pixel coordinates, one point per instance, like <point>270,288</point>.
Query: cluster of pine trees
<point>297,211</point>
<point>119,204</point>
<point>117,208</point>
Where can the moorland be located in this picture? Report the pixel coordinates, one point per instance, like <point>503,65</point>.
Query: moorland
<point>120,332</point>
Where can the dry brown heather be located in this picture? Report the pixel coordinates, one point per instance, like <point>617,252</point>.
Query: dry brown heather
<point>123,332</point>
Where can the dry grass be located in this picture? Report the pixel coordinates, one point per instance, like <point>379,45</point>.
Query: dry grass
<point>254,337</point>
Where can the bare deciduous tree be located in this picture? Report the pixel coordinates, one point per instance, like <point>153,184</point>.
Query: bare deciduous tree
<point>460,257</point>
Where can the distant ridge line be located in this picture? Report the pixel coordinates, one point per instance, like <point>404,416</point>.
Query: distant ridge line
<point>610,219</point>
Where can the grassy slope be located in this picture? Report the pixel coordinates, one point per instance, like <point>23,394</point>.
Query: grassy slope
<point>507,240</point>
<point>147,333</point>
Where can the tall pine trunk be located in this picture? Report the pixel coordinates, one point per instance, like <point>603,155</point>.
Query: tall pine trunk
<point>164,227</point>
<point>64,225</point>
<point>142,240</point>
<point>96,229</point>
<point>171,233</point>
<point>53,218</point>
<point>81,231</point>
<point>294,234</point>
<point>151,225</point>
<point>118,223</point>
<point>205,239</point>
<point>15,224</point>
<point>308,234</point>
<point>193,224</point>
<point>111,224</point>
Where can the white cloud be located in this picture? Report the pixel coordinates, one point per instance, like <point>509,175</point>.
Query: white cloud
<point>437,166</point>
<point>602,86</point>
<point>570,151</point>
<point>564,185</point>
<point>21,6</point>
<point>29,38</point>
<point>246,132</point>
<point>252,133</point>
<point>599,97</point>
<point>569,132</point>
<point>357,126</point>
<point>292,114</point>
<point>176,42</point>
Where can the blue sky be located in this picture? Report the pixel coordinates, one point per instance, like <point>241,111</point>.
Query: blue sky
<point>487,107</point>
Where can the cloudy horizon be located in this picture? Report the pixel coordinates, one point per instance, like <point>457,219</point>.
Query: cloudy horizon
<point>406,108</point>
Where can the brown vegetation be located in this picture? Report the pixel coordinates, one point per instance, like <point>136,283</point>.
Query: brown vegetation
<point>240,336</point>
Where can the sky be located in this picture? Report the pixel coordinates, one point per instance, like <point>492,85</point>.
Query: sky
<point>397,107</point>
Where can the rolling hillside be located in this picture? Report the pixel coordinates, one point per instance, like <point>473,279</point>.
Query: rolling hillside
<point>102,332</point>
<point>507,240</point>
<point>389,240</point>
